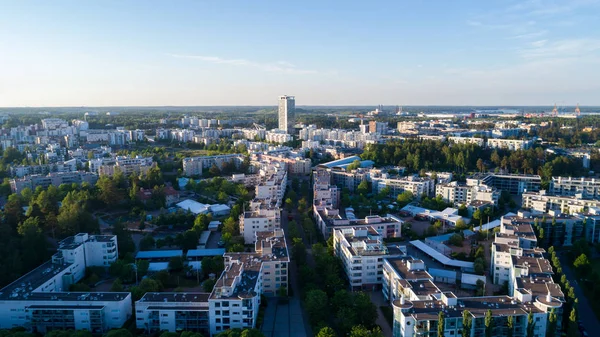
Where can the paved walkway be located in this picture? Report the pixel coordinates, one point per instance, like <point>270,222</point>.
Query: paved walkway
<point>378,299</point>
<point>283,320</point>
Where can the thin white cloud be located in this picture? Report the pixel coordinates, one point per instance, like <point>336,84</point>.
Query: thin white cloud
<point>567,48</point>
<point>277,67</point>
<point>539,43</point>
<point>531,35</point>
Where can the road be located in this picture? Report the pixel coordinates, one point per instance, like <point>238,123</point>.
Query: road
<point>585,312</point>
<point>293,271</point>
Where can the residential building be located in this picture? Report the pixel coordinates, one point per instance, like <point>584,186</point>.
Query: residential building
<point>235,299</point>
<point>361,250</point>
<point>397,185</point>
<point>55,179</point>
<point>542,202</point>
<point>515,260</point>
<point>193,166</point>
<point>511,183</point>
<point>378,127</point>
<point>286,113</point>
<point>509,144</point>
<point>156,312</point>
<point>40,300</point>
<point>459,193</point>
<point>589,188</point>
<point>323,192</point>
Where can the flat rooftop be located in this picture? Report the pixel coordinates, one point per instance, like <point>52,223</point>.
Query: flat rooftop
<point>400,265</point>
<point>477,306</point>
<point>23,286</point>
<point>175,297</point>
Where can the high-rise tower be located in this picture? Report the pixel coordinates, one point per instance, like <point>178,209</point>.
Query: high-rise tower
<point>287,113</point>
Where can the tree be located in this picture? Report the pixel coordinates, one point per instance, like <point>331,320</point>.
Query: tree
<point>572,330</point>
<point>108,191</point>
<point>190,334</point>
<point>467,322</point>
<point>552,323</point>
<point>581,264</point>
<point>34,241</point>
<point>456,240</point>
<point>441,325</point>
<point>405,198</point>
<point>147,242</point>
<point>326,332</point>
<point>169,334</point>
<point>366,308</point>
<point>316,305</point>
<point>117,285</point>
<point>119,333</point>
<point>361,331</point>
<point>489,323</point>
<point>530,325</point>
<point>363,188</point>
<point>176,263</point>
<point>208,285</point>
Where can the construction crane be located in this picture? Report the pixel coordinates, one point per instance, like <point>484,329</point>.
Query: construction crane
<point>555,111</point>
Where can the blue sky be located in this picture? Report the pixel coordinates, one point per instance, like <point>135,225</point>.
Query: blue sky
<point>496,52</point>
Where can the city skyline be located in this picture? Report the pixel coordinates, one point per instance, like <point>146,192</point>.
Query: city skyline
<point>503,53</point>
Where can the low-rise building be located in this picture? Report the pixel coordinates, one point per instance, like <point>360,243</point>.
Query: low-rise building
<point>588,188</point>
<point>511,183</point>
<point>156,312</point>
<point>55,179</point>
<point>40,300</point>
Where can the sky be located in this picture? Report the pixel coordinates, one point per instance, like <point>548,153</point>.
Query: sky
<point>226,52</point>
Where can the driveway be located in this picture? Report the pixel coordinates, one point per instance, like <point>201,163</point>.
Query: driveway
<point>378,299</point>
<point>283,320</point>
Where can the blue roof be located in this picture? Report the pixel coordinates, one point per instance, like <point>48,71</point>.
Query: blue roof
<point>205,252</point>
<point>157,254</point>
<point>340,162</point>
<point>440,238</point>
<point>435,272</point>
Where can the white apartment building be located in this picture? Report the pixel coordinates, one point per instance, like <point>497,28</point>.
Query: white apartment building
<point>286,113</point>
<point>235,299</point>
<point>467,140</point>
<point>195,165</point>
<point>55,179</point>
<point>544,203</point>
<point>514,260</point>
<point>54,123</point>
<point>156,312</point>
<point>416,185</point>
<point>323,192</point>
<point>362,251</point>
<point>408,277</point>
<point>260,218</point>
<point>294,165</point>
<point>40,300</point>
<point>589,188</point>
<point>509,144</point>
<point>278,136</point>
<point>458,193</point>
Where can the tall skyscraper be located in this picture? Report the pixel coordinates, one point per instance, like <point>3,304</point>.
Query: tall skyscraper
<point>287,113</point>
